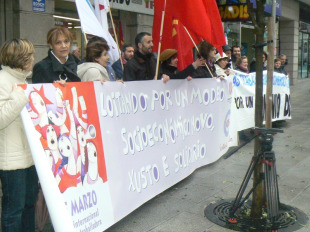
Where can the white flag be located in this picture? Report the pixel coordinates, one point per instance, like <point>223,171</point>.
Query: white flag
<point>91,25</point>
<point>102,7</point>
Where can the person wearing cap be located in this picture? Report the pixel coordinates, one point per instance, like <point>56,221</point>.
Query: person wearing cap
<point>221,65</point>
<point>227,51</point>
<point>169,65</point>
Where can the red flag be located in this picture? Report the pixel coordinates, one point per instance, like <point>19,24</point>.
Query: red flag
<point>120,33</point>
<point>166,40</point>
<point>183,44</point>
<point>201,17</point>
<point>174,36</point>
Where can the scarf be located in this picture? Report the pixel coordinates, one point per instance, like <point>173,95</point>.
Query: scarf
<point>243,69</point>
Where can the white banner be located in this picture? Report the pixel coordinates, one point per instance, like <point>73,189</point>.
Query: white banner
<point>108,148</point>
<point>243,104</point>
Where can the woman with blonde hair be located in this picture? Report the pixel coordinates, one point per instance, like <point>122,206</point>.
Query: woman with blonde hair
<point>17,172</point>
<point>242,64</point>
<point>59,65</point>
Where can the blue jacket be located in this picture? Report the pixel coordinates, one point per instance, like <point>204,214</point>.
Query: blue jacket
<point>117,67</point>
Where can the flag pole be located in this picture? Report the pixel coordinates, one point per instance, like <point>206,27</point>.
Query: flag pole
<point>197,48</point>
<point>119,53</point>
<point>83,45</point>
<point>160,38</point>
<point>85,37</point>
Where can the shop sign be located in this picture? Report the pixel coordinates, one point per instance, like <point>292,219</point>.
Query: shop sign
<point>138,6</point>
<point>268,4</point>
<point>234,12</point>
<point>38,5</point>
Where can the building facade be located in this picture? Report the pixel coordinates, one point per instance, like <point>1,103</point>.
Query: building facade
<point>32,19</point>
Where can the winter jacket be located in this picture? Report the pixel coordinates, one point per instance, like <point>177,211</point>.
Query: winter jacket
<point>283,70</point>
<point>117,67</point>
<point>174,73</point>
<point>50,69</point>
<point>203,71</point>
<point>220,71</point>
<point>14,149</point>
<point>280,70</point>
<point>140,67</point>
<point>92,71</point>
<point>253,66</point>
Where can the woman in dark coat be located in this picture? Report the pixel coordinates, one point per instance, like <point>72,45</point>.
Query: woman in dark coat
<point>169,65</point>
<point>59,65</point>
<point>253,63</point>
<point>206,51</point>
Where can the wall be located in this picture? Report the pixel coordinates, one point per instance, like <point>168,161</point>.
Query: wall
<point>288,36</point>
<point>129,25</point>
<point>35,25</point>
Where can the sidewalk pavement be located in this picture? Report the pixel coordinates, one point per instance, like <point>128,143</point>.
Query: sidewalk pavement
<point>181,207</point>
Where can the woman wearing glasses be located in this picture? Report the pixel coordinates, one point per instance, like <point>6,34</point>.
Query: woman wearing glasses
<point>59,66</point>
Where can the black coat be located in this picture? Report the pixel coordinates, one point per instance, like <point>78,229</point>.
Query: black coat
<point>283,69</point>
<point>253,66</point>
<point>140,68</point>
<point>174,73</point>
<point>50,69</point>
<point>203,72</point>
<point>280,70</point>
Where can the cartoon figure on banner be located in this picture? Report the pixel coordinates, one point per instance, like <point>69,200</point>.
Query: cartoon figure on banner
<point>61,117</point>
<point>80,125</point>
<point>50,159</point>
<point>38,102</point>
<point>92,175</point>
<point>69,176</point>
<point>51,133</point>
<point>68,150</point>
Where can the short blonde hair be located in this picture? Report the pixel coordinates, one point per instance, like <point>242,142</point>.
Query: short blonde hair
<point>17,53</point>
<point>240,59</point>
<point>54,33</point>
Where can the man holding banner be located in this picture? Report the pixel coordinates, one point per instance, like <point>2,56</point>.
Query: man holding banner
<point>143,65</point>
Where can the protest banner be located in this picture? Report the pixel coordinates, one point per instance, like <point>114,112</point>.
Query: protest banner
<point>102,150</point>
<point>243,104</point>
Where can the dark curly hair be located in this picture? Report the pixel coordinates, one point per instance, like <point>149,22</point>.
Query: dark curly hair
<point>95,49</point>
<point>204,49</point>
